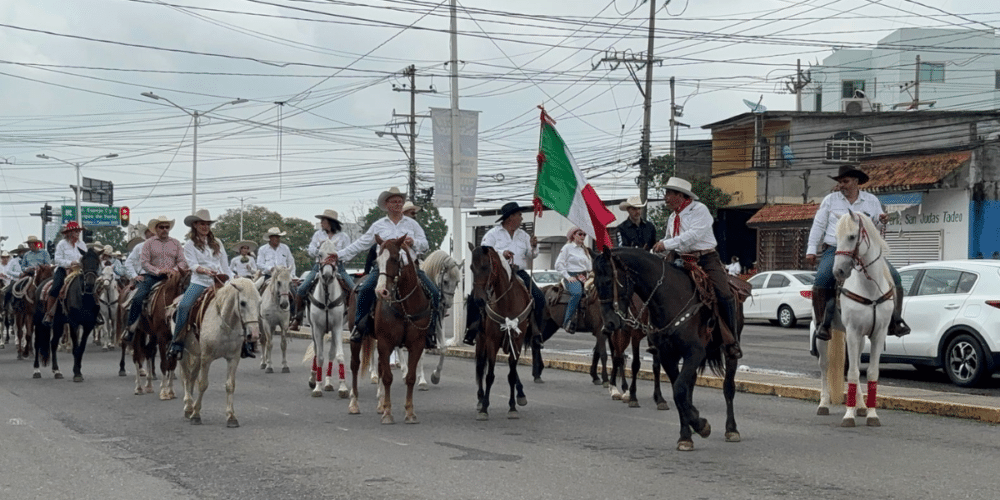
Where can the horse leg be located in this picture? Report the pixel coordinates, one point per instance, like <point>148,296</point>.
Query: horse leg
<point>79,346</point>
<point>385,373</point>
<point>661,404</point>
<point>231,365</point>
<point>189,373</point>
<point>824,386</point>
<point>202,379</point>
<point>421,380</point>
<point>54,348</point>
<point>265,348</point>
<point>284,351</point>
<point>317,387</point>
<point>729,392</point>
<point>436,374</point>
<point>633,401</point>
<point>481,413</point>
<point>353,408</point>
<point>537,363</point>
<point>871,398</point>
<point>683,385</point>
<point>491,363</point>
<point>413,361</point>
<point>617,364</point>
<point>516,389</point>
<point>854,344</point>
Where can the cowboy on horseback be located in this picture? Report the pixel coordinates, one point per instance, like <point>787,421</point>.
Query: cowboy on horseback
<point>160,256</point>
<point>330,229</point>
<point>689,233</point>
<point>68,252</point>
<point>35,256</point>
<point>244,265</point>
<point>393,225</point>
<point>823,239</point>
<point>206,257</point>
<point>514,244</point>
<point>9,268</point>
<point>133,265</point>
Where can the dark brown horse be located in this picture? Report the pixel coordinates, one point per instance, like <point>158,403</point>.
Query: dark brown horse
<point>23,292</point>
<point>402,317</point>
<point>589,319</point>
<point>506,309</point>
<point>153,334</point>
<point>678,327</point>
<point>619,340</point>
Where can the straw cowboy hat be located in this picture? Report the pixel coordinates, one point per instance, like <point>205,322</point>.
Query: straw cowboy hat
<point>97,246</point>
<point>32,239</point>
<point>245,243</point>
<point>20,250</point>
<point>274,232</point>
<point>410,206</point>
<point>851,171</point>
<point>160,220</point>
<point>133,242</point>
<point>385,195</point>
<point>633,202</point>
<point>116,254</point>
<point>200,216</point>
<point>329,214</point>
<point>71,226</point>
<point>509,209</point>
<point>681,186</point>
<point>108,250</point>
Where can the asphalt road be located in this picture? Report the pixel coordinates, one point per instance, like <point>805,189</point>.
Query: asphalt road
<point>96,440</point>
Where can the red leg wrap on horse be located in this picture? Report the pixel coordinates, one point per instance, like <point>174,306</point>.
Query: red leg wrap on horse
<point>341,371</point>
<point>852,395</point>
<point>329,369</point>
<point>872,393</point>
<point>314,363</point>
<point>319,374</point>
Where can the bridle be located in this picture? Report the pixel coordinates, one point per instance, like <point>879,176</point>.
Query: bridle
<point>854,254</point>
<point>634,321</point>
<point>398,304</point>
<point>244,322</point>
<point>509,326</point>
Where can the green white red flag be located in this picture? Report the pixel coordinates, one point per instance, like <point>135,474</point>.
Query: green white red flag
<point>562,187</point>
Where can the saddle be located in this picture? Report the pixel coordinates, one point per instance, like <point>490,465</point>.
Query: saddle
<point>199,308</point>
<point>558,294</point>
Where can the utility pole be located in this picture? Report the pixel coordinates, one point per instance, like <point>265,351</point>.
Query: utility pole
<point>675,112</point>
<point>796,85</point>
<point>915,103</point>
<point>411,123</point>
<point>633,64</point>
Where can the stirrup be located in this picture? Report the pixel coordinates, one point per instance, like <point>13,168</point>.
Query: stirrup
<point>823,333</point>
<point>733,350</point>
<point>176,350</point>
<point>899,328</point>
<point>247,351</point>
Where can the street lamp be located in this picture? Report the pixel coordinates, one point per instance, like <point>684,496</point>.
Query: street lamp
<point>79,181</point>
<point>196,115</point>
<point>242,199</point>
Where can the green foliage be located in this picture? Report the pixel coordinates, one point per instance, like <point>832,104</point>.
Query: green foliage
<point>429,219</point>
<point>114,236</point>
<point>662,168</point>
<point>256,221</point>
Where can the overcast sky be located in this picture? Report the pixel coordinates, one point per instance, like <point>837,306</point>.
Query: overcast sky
<point>71,74</point>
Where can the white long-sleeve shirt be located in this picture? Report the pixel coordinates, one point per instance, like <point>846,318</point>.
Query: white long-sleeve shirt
<point>831,209</point>
<point>573,259</point>
<point>696,230</point>
<point>268,257</point>
<point>133,265</point>
<point>243,269</point>
<point>205,259</point>
<point>340,241</point>
<point>387,230</point>
<point>519,244</point>
<point>10,271</point>
<point>67,254</point>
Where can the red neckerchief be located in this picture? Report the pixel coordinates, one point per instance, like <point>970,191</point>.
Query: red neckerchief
<point>677,216</point>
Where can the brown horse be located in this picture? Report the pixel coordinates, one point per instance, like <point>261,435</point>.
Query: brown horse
<point>507,320</point>
<point>154,334</point>
<point>23,294</point>
<point>588,319</point>
<point>402,317</point>
<point>632,334</point>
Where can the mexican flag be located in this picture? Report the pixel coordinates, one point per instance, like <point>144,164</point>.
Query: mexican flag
<point>562,187</point>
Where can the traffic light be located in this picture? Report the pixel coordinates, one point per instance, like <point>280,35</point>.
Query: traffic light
<point>123,215</point>
<point>88,236</point>
<point>47,213</point>
<point>51,247</point>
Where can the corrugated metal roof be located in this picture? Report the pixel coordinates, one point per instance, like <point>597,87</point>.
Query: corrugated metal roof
<point>783,213</point>
<point>908,173</point>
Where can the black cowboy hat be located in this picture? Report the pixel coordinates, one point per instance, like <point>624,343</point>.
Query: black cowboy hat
<point>851,171</point>
<point>509,209</point>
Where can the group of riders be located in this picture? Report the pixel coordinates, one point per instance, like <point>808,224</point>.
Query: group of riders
<point>688,241</point>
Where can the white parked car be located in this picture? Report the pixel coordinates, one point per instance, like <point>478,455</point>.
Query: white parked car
<point>781,297</point>
<point>953,309</point>
<point>544,278</point>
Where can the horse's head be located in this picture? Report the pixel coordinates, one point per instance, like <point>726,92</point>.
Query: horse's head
<point>281,285</point>
<point>327,271</point>
<point>858,244</point>
<point>393,258</point>
<point>42,273</point>
<point>484,266</point>
<point>446,274</point>
<point>240,301</point>
<point>614,288</point>
<point>90,269</point>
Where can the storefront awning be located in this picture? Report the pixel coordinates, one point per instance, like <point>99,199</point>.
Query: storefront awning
<point>898,202</point>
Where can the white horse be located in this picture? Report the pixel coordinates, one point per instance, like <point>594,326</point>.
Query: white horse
<point>274,313</point>
<point>327,305</point>
<point>230,319</point>
<point>108,303</point>
<point>866,305</point>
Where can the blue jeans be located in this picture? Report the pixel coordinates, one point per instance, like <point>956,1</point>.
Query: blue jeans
<point>366,297</point>
<point>58,278</point>
<point>575,289</point>
<point>824,271</point>
<point>184,308</point>
<point>311,277</point>
<point>141,292</point>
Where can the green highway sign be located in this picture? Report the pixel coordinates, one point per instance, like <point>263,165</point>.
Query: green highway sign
<point>92,216</point>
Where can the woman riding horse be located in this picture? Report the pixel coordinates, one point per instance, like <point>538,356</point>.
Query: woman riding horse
<point>574,264</point>
<point>330,230</point>
<point>68,252</point>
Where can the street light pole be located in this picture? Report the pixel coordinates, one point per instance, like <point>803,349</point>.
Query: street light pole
<point>242,199</point>
<point>79,180</point>
<point>195,115</point>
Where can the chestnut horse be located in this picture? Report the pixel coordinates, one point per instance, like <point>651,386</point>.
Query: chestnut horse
<point>402,316</point>
<point>23,293</point>
<point>589,319</point>
<point>507,312</point>
<point>154,334</point>
<point>619,340</point>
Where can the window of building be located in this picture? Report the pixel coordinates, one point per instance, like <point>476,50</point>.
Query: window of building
<point>819,94</point>
<point>762,154</point>
<point>844,147</point>
<point>782,150</point>
<point>848,87</point>
<point>931,72</point>
<point>996,83</point>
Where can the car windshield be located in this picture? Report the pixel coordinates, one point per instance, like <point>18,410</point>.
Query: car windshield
<point>805,278</point>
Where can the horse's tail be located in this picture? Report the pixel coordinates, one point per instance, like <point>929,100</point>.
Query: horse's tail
<point>714,359</point>
<point>367,347</point>
<point>310,354</point>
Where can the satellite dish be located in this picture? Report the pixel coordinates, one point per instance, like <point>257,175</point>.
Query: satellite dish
<point>755,107</point>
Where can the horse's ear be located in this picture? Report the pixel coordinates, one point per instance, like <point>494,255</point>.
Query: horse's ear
<point>591,253</point>
<point>378,240</point>
<point>472,248</point>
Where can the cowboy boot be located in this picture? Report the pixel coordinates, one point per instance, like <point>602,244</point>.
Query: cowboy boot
<point>432,332</point>
<point>248,350</point>
<point>50,310</point>
<point>471,331</point>
<point>727,309</point>
<point>299,310</point>
<point>897,326</point>
<point>360,329</point>
<point>824,307</point>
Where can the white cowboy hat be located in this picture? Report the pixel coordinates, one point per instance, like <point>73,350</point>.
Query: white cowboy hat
<point>200,216</point>
<point>681,186</point>
<point>410,206</point>
<point>160,220</point>
<point>97,246</point>
<point>108,250</point>
<point>4,254</point>
<point>139,229</point>
<point>633,202</point>
<point>274,232</point>
<point>385,195</point>
<point>116,254</point>
<point>329,214</point>
<point>245,243</point>
<point>32,239</point>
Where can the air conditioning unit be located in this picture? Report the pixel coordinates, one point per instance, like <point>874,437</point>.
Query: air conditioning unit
<point>855,106</point>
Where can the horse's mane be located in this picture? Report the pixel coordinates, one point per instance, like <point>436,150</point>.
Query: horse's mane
<point>327,247</point>
<point>846,224</point>
<point>503,262</point>
<point>434,263</point>
<point>281,272</point>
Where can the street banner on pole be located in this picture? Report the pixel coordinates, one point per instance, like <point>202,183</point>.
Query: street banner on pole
<point>469,165</point>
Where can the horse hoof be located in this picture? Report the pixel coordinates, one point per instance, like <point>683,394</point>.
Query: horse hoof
<point>187,413</point>
<point>268,370</point>
<point>862,412</point>
<point>387,420</point>
<point>706,430</point>
<point>733,437</point>
<point>328,388</point>
<point>164,396</point>
<point>538,380</point>
<point>685,445</point>
<point>121,373</point>
<point>422,387</point>
<point>847,422</point>
<point>317,394</point>
<point>374,380</point>
<point>285,370</point>
<point>663,406</point>
<point>513,415</point>
<point>873,422</point>
<point>142,373</point>
<point>606,384</point>
<point>616,397</point>
<point>411,419</point>
<point>823,410</point>
<point>435,378</point>
<point>263,365</point>
<point>36,375</point>
<point>353,410</point>
<point>232,423</point>
<point>149,390</point>
<point>522,401</point>
<point>626,398</point>
<point>138,392</point>
<point>482,416</point>
<point>195,420</point>
<point>597,381</point>
<point>77,378</point>
<point>343,393</point>
<point>58,376</point>
<point>633,404</point>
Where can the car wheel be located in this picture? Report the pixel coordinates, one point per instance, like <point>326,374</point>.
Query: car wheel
<point>965,361</point>
<point>786,318</point>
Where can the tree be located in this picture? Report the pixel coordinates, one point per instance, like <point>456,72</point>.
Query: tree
<point>662,168</point>
<point>114,236</point>
<point>429,219</point>
<point>256,221</point>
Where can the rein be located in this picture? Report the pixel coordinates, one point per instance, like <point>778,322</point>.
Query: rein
<point>634,321</point>
<point>859,264</point>
<point>508,326</point>
<point>326,304</point>
<point>391,302</point>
